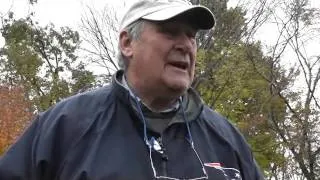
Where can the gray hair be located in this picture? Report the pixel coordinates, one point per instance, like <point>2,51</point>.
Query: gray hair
<point>134,31</point>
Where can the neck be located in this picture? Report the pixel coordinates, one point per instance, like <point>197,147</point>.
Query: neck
<point>160,104</point>
<point>151,97</point>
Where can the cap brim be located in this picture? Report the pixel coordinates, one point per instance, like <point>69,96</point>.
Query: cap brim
<point>199,16</point>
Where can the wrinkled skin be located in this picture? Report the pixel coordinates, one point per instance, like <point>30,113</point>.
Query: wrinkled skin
<point>161,62</point>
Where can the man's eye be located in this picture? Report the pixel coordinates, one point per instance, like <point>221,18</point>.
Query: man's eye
<point>192,34</point>
<point>170,31</point>
<point>176,32</point>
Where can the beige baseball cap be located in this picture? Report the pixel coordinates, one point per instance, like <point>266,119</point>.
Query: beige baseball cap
<point>161,10</point>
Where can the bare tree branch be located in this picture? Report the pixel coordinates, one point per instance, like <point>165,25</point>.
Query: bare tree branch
<point>100,33</point>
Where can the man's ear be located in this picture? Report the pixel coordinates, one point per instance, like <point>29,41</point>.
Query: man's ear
<point>125,43</point>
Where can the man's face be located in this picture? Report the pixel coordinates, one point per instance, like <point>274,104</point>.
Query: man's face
<point>163,58</point>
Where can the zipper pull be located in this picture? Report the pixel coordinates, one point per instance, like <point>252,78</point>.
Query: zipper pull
<point>158,146</point>
<point>164,156</point>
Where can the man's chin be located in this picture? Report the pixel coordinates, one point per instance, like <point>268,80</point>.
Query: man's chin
<point>178,88</point>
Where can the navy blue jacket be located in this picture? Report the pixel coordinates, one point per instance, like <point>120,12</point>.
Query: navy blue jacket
<point>98,135</point>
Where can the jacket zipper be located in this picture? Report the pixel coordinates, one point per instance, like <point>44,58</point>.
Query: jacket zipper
<point>164,157</point>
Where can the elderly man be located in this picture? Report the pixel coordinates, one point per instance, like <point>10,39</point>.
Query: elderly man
<point>148,124</point>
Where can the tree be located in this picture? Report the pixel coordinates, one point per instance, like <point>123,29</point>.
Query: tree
<point>292,114</point>
<point>100,31</point>
<point>33,1</point>
<point>228,82</point>
<point>298,131</point>
<point>235,90</point>
<point>43,60</point>
<point>15,114</point>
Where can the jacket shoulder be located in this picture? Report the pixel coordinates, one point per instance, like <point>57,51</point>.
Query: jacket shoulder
<point>64,124</point>
<point>83,101</point>
<point>224,127</point>
<point>76,112</point>
<point>79,105</point>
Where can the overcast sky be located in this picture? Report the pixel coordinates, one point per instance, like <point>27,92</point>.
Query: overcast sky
<point>59,12</point>
<point>68,12</point>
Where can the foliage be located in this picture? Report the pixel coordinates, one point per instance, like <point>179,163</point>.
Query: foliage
<point>228,81</point>
<point>43,60</point>
<point>234,89</point>
<point>258,92</point>
<point>299,131</point>
<point>15,114</point>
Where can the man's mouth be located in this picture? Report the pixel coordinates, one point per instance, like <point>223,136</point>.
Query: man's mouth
<point>180,65</point>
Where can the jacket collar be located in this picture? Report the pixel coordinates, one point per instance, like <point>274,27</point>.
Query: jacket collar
<point>192,104</point>
<point>125,84</point>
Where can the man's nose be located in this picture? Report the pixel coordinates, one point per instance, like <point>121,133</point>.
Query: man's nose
<point>185,43</point>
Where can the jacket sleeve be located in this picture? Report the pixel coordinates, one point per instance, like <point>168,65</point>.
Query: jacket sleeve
<point>259,175</point>
<point>18,163</point>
